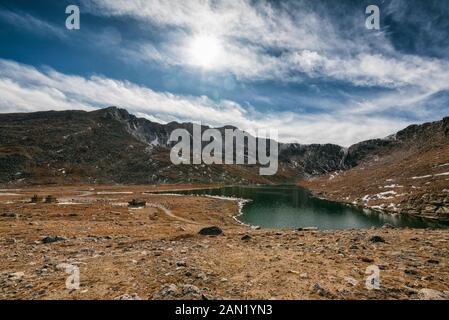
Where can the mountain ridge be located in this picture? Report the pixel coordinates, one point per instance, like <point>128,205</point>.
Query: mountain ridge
<point>111,145</point>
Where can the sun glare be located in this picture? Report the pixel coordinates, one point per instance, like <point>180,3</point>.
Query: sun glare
<point>205,51</point>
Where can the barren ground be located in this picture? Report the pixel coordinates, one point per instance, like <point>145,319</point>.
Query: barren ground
<point>397,183</point>
<point>157,253</point>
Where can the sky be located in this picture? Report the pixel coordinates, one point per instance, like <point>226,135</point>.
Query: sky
<point>310,69</point>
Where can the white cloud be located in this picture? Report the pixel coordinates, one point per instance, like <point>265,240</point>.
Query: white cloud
<point>24,88</point>
<point>307,40</point>
<point>31,23</point>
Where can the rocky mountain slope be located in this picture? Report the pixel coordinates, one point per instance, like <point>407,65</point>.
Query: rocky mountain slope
<point>404,173</point>
<point>112,146</point>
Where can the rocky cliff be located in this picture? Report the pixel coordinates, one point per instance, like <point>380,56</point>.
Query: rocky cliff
<point>405,173</point>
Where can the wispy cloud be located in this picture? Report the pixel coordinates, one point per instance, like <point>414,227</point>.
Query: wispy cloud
<point>25,88</point>
<point>30,23</point>
<point>285,42</point>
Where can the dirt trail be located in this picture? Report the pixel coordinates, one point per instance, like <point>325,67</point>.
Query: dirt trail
<point>157,253</point>
<point>170,214</point>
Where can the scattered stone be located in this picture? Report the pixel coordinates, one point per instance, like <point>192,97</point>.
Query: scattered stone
<point>189,289</point>
<point>351,281</point>
<point>304,275</point>
<point>128,297</point>
<point>181,263</point>
<point>377,239</point>
<point>168,291</point>
<point>246,238</point>
<point>10,215</point>
<point>367,260</point>
<point>433,261</point>
<point>430,294</point>
<point>308,229</point>
<point>50,239</point>
<point>51,199</point>
<point>319,290</point>
<point>388,226</point>
<point>211,231</point>
<point>16,275</point>
<point>36,199</point>
<point>411,272</point>
<point>134,203</point>
<point>202,276</point>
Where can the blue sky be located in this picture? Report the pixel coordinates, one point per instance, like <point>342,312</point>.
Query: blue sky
<point>307,68</point>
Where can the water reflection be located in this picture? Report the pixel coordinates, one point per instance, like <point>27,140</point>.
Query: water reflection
<point>294,207</point>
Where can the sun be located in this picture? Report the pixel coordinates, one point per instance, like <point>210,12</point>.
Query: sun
<point>205,51</point>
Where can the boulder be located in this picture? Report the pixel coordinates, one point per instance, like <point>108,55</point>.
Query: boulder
<point>137,203</point>
<point>211,231</point>
<point>430,294</point>
<point>51,239</point>
<point>51,199</point>
<point>377,239</point>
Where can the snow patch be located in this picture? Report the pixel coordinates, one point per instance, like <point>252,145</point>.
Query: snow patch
<point>113,192</point>
<point>385,195</point>
<point>393,186</point>
<point>155,142</point>
<point>422,177</point>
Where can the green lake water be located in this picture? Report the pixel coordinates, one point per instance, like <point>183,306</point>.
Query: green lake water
<point>294,207</point>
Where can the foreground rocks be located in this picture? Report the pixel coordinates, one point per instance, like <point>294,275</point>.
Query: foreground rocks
<point>211,231</point>
<point>155,254</point>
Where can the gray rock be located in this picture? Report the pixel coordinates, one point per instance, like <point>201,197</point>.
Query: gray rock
<point>128,297</point>
<point>211,231</point>
<point>51,239</point>
<point>430,294</point>
<point>169,291</point>
<point>319,290</point>
<point>181,263</point>
<point>189,289</point>
<point>308,229</point>
<point>377,239</point>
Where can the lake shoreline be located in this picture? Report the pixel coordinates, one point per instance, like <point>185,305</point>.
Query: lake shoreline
<point>145,252</point>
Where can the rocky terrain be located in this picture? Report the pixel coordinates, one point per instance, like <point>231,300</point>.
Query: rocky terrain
<point>157,252</point>
<point>406,173</point>
<point>112,146</point>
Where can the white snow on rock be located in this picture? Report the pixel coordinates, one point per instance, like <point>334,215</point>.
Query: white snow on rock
<point>393,186</point>
<point>155,142</point>
<point>112,192</point>
<point>422,177</point>
<point>386,195</point>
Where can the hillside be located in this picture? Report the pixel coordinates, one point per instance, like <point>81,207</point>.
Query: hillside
<point>112,146</point>
<point>405,173</point>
